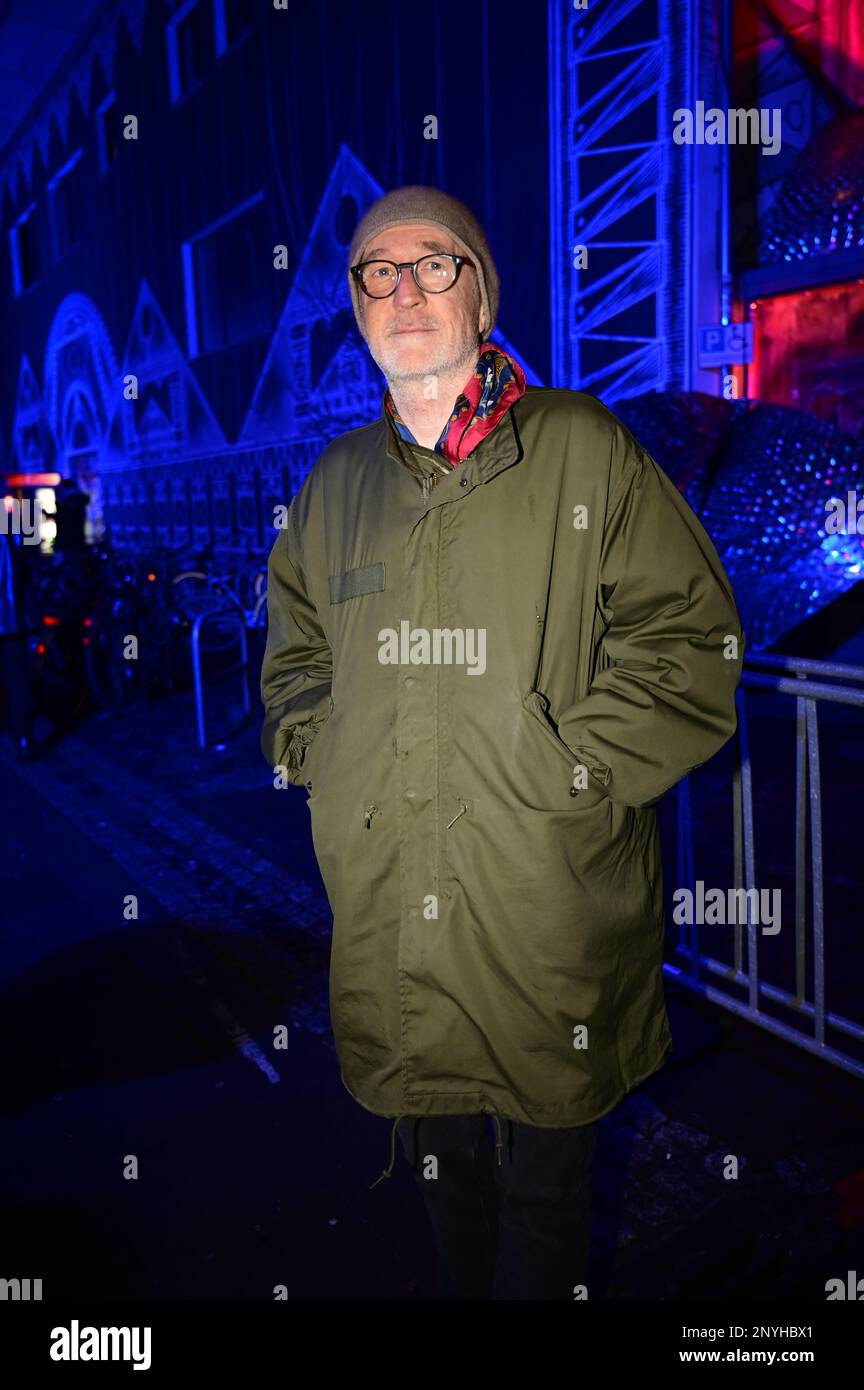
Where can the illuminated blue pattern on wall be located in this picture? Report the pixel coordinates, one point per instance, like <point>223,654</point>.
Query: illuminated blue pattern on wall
<point>160,470</point>
<point>620,187</point>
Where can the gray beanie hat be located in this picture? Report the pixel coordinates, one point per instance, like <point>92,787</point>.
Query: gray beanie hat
<point>415,203</point>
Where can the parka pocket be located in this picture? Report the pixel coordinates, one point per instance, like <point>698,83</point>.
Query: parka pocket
<point>535,706</point>
<point>312,761</point>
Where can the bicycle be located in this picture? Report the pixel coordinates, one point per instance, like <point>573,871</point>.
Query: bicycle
<point>121,675</point>
<point>200,590</point>
<point>56,610</point>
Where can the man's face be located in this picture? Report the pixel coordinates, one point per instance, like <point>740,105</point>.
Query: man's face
<point>412,334</point>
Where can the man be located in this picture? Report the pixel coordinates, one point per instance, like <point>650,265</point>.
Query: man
<point>497,636</point>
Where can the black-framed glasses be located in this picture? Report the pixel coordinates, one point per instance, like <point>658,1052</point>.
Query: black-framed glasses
<point>433,274</point>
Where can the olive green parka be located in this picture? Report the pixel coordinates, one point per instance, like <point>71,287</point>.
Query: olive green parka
<point>485,677</point>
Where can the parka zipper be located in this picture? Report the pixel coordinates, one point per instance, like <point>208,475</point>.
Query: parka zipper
<point>368,814</point>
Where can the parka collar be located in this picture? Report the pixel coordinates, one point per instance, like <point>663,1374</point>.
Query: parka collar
<point>493,454</point>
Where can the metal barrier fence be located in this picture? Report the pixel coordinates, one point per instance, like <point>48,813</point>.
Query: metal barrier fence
<point>226,618</point>
<point>783,676</point>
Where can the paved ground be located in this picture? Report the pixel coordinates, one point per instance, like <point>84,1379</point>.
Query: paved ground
<point>154,1038</point>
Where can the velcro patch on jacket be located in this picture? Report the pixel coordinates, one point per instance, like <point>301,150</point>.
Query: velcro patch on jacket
<point>368,579</point>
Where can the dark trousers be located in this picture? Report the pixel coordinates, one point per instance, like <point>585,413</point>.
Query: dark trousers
<point>518,1230</point>
<point>15,679</point>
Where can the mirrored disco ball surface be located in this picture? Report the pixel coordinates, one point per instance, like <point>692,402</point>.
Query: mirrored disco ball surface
<point>685,432</point>
<point>767,514</point>
<point>820,206</point>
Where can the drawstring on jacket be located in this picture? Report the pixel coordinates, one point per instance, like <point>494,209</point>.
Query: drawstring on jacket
<point>499,1143</point>
<point>388,1171</point>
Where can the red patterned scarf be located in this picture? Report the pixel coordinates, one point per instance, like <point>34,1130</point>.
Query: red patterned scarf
<point>496,382</point>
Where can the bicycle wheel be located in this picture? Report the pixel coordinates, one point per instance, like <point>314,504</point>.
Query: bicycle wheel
<point>259,611</point>
<point>192,594</point>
